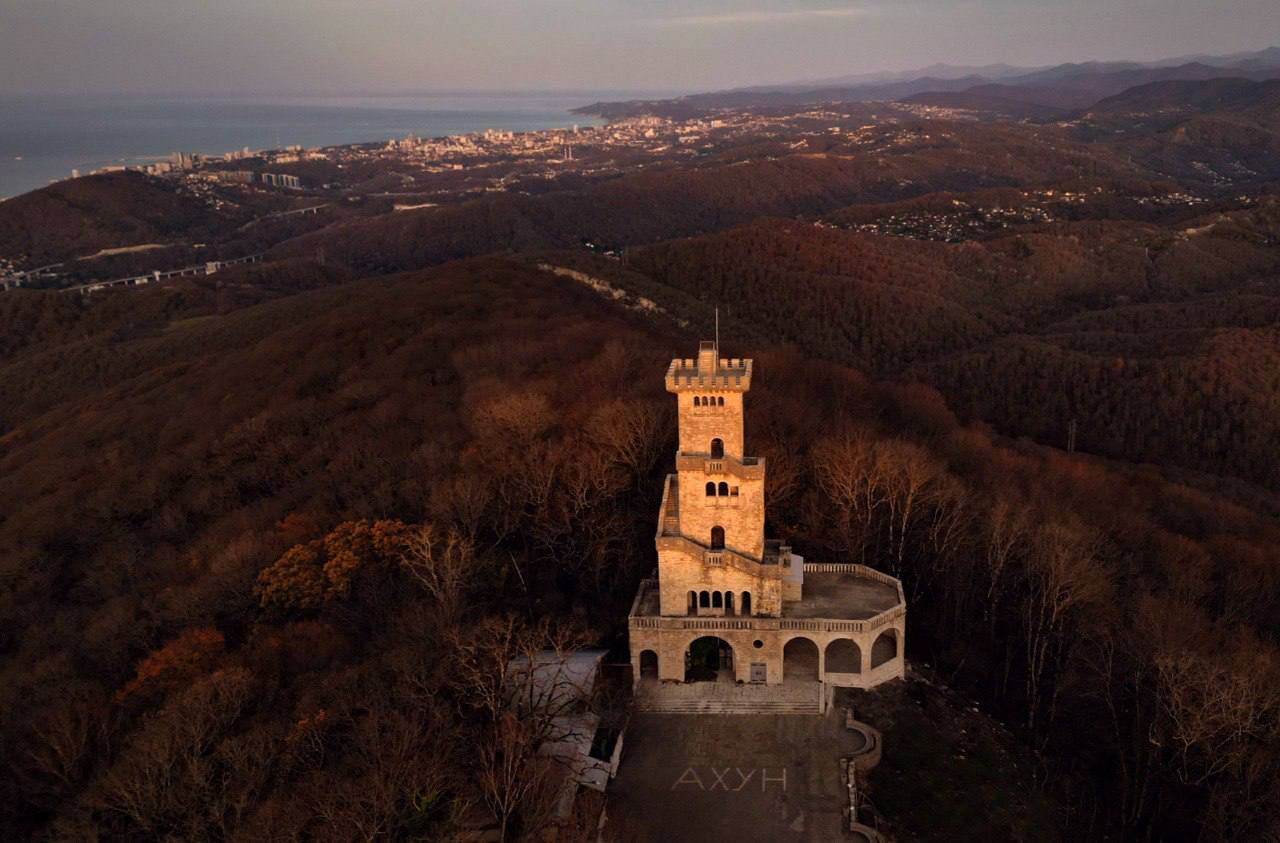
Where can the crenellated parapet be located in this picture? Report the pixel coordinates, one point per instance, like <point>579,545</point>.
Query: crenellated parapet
<point>729,374</point>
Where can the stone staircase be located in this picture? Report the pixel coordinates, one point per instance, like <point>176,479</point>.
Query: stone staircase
<point>727,707</point>
<point>726,698</point>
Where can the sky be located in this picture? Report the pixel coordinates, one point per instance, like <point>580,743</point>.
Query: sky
<point>350,46</point>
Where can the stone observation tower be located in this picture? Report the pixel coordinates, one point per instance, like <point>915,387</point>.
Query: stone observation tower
<point>728,604</point>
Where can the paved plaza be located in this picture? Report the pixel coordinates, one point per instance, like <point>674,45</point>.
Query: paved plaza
<point>708,778</point>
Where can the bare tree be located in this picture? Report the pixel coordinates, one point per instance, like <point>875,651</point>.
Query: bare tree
<point>852,489</point>
<point>399,771</point>
<point>439,560</point>
<point>1063,576</point>
<point>63,739</point>
<point>1218,708</point>
<point>631,433</point>
<point>513,780</point>
<point>166,780</point>
<point>463,500</point>
<point>910,478</point>
<point>517,678</point>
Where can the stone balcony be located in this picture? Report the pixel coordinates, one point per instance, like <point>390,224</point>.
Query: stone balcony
<point>747,468</point>
<point>838,598</point>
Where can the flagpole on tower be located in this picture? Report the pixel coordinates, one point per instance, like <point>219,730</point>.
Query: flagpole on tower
<point>717,337</point>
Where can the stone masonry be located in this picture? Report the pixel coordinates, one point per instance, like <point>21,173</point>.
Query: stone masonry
<point>720,578</point>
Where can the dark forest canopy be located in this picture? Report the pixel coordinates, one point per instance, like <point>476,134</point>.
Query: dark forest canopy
<point>155,615</point>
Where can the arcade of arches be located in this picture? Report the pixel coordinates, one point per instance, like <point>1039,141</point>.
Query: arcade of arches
<point>840,661</point>
<point>719,603</point>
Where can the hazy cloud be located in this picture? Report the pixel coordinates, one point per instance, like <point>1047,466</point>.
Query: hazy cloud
<point>761,16</point>
<point>267,46</point>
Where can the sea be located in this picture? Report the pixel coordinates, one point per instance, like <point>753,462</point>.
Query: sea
<point>42,139</point>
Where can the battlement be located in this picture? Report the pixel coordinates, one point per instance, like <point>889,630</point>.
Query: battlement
<point>706,371</point>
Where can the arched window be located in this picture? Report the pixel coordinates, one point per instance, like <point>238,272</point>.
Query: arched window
<point>728,602</point>
<point>717,449</point>
<point>724,489</point>
<point>746,603</point>
<point>693,602</point>
<point>697,402</point>
<point>720,401</point>
<point>711,489</point>
<point>717,600</point>
<point>717,538</point>
<point>704,600</point>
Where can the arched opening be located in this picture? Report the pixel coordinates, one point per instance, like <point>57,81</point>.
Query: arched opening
<point>800,660</point>
<point>728,602</point>
<point>885,649</point>
<point>704,600</point>
<point>717,600</point>
<point>693,602</point>
<point>720,401</point>
<point>708,659</point>
<point>648,664</point>
<point>717,449</point>
<point>717,538</point>
<point>724,490</point>
<point>843,656</point>
<point>746,603</point>
<point>697,401</point>
<point>711,489</point>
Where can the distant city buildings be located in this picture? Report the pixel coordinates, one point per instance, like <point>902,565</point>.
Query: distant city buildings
<point>250,177</point>
<point>281,180</point>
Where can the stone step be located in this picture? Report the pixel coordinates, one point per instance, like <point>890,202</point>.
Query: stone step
<point>726,707</point>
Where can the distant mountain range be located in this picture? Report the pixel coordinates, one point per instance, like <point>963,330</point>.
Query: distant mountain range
<point>1042,93</point>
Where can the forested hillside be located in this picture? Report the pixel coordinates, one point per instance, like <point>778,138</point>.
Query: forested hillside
<point>76,218</point>
<point>254,585</point>
<point>726,190</point>
<point>1156,342</point>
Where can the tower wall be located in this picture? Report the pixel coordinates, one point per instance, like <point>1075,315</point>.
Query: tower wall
<point>741,516</point>
<point>682,572</point>
<point>701,424</point>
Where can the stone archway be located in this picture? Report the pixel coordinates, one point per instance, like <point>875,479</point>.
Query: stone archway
<point>885,648</point>
<point>648,664</point>
<point>708,659</point>
<point>800,660</point>
<point>844,656</point>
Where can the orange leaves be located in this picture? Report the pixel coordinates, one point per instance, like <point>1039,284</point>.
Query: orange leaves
<point>310,575</point>
<point>191,654</point>
<point>294,581</point>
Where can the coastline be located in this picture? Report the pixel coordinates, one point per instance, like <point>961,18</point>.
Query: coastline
<point>42,140</point>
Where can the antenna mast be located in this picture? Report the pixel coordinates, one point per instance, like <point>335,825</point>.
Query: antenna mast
<point>717,337</point>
